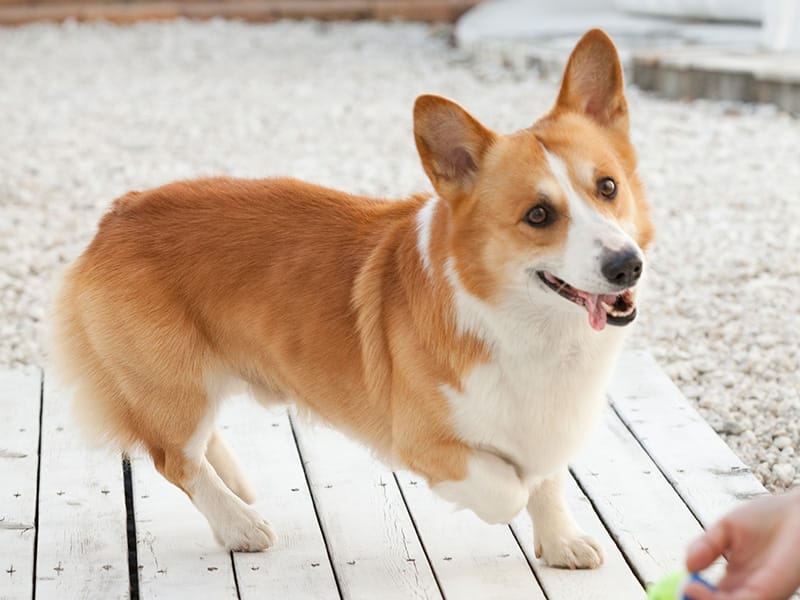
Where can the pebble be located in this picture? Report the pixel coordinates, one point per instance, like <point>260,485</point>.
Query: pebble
<point>784,472</point>
<point>731,427</point>
<point>162,101</point>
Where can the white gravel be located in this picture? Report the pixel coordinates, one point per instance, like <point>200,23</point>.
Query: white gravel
<point>90,111</point>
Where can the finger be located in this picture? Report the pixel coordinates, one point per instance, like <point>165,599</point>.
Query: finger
<point>734,579</point>
<point>748,594</point>
<point>703,551</point>
<point>696,591</point>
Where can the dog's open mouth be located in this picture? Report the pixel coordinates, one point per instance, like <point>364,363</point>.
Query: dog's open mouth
<point>619,309</point>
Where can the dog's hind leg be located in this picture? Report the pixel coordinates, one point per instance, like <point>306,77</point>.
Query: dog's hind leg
<point>227,467</point>
<point>236,525</point>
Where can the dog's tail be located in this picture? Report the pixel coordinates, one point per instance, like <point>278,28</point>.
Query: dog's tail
<point>79,369</point>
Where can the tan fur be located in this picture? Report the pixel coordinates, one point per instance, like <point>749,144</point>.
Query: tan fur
<point>317,296</point>
<point>296,289</point>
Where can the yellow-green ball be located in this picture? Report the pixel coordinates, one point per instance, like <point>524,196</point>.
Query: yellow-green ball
<point>668,588</point>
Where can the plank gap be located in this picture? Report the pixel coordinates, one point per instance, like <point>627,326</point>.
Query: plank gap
<point>419,535</point>
<point>530,563</point>
<point>650,404</point>
<point>130,515</point>
<point>38,482</point>
<point>235,576</point>
<point>670,479</point>
<point>314,504</point>
<point>608,528</point>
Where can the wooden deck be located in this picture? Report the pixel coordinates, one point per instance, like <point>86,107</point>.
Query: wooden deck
<point>78,524</point>
<point>17,12</point>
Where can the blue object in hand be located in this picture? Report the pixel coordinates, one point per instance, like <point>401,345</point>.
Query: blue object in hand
<point>672,586</point>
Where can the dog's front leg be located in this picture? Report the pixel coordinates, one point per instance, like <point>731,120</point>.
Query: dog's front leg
<point>492,488</point>
<point>556,536</point>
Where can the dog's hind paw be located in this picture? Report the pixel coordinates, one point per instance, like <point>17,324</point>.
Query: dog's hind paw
<point>579,551</point>
<point>250,533</point>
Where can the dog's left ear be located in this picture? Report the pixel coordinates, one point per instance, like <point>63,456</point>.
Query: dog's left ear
<point>451,145</point>
<point>593,82</point>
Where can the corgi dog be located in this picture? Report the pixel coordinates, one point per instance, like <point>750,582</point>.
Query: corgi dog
<point>465,335</point>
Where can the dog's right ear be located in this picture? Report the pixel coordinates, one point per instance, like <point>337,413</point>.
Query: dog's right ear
<point>593,82</point>
<point>451,145</point>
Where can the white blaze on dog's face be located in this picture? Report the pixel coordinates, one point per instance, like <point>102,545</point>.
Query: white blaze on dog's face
<point>551,215</point>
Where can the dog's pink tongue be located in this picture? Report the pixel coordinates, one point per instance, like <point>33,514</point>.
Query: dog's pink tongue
<point>597,314</point>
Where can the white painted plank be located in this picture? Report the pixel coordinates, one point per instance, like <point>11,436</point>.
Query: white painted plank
<point>597,584</point>
<point>20,402</point>
<point>707,474</point>
<point>471,559</point>
<point>177,553</point>
<point>82,544</point>
<point>648,519</point>
<point>297,567</point>
<point>374,548</point>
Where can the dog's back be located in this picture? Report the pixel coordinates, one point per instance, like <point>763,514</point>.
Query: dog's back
<point>187,281</point>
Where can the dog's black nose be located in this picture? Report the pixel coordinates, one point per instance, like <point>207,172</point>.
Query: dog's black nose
<point>622,268</point>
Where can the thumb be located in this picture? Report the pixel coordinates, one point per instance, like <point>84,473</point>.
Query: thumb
<point>703,551</point>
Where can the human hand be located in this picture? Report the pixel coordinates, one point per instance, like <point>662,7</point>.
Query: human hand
<point>761,542</point>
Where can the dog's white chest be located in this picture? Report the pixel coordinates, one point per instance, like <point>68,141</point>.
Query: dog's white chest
<point>536,404</point>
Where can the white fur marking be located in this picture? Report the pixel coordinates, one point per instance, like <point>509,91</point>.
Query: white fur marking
<point>195,448</point>
<point>535,399</point>
<point>424,224</point>
<point>492,489</point>
<point>531,383</point>
<point>580,264</point>
<point>218,387</point>
<point>236,525</point>
<point>471,313</point>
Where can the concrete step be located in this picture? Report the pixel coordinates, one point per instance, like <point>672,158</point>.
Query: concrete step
<point>674,58</point>
<point>720,74</point>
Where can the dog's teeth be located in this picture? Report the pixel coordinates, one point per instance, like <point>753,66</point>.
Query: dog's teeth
<point>617,313</point>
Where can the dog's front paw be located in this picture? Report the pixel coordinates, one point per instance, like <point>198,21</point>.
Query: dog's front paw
<point>492,489</point>
<point>576,551</point>
<point>500,506</point>
<point>246,532</point>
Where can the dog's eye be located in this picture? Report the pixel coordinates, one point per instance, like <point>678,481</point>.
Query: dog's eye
<point>539,216</point>
<point>607,188</point>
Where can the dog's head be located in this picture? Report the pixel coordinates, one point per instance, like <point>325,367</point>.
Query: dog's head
<point>554,213</point>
